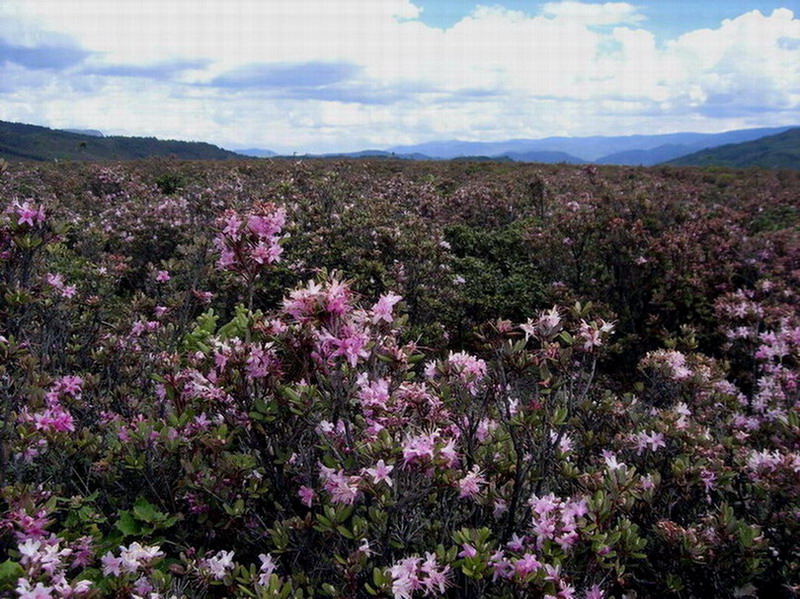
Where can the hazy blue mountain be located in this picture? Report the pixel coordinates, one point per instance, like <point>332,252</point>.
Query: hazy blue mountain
<point>365,154</point>
<point>773,151</point>
<point>256,153</point>
<point>646,157</point>
<point>544,157</point>
<point>586,148</point>
<point>19,141</point>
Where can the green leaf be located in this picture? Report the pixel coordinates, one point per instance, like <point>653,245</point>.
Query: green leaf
<point>344,532</point>
<point>10,572</point>
<point>146,511</point>
<point>127,525</point>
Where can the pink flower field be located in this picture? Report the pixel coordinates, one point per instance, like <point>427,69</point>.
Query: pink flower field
<point>395,379</point>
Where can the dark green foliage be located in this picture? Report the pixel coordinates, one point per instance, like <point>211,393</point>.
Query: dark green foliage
<point>773,151</point>
<point>30,142</point>
<point>501,280</point>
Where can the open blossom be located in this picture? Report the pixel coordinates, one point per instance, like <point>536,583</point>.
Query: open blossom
<point>246,249</point>
<point>380,473</point>
<point>467,368</point>
<point>420,446</point>
<point>352,347</point>
<point>29,215</point>
<point>611,461</point>
<point>268,566</point>
<point>219,565</point>
<point>651,440</point>
<point>131,559</point>
<point>592,334</point>
<point>306,495</point>
<point>672,363</point>
<point>467,550</point>
<point>341,487</point>
<point>382,310</point>
<point>595,592</point>
<point>56,281</point>
<point>40,591</point>
<point>501,566</point>
<point>526,564</point>
<point>470,485</point>
<point>415,574</point>
<point>546,325</point>
<point>337,297</point>
<point>763,461</point>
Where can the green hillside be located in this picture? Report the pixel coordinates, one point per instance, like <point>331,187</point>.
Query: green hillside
<point>773,151</point>
<point>30,142</point>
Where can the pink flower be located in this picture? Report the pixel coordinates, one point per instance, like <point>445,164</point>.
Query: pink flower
<point>232,225</point>
<point>29,215</point>
<point>352,347</point>
<point>380,473</point>
<point>435,579</point>
<point>709,479</point>
<point>266,253</point>
<point>112,566</point>
<point>592,334</point>
<point>82,552</point>
<point>382,310</point>
<point>306,495</point>
<point>267,225</point>
<point>544,505</point>
<point>526,564</point>
<point>341,488</point>
<point>650,439</point>
<point>595,593</point>
<point>470,485</point>
<point>337,297</point>
<point>40,591</point>
<point>468,551</point>
<point>70,384</point>
<point>516,543</point>
<point>220,564</point>
<point>500,565</point>
<point>421,446</point>
<point>162,276</point>
<point>268,566</point>
<point>55,280</point>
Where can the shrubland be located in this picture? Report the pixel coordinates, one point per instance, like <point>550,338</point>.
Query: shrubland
<point>354,379</point>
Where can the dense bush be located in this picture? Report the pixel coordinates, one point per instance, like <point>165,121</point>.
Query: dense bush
<point>275,379</point>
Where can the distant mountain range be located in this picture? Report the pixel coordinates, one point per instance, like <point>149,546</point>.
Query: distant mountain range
<point>257,153</point>
<point>773,151</point>
<point>776,147</point>
<point>31,142</point>
<point>642,150</point>
<point>633,150</point>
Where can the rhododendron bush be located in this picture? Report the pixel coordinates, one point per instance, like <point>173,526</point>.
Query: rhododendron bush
<point>291,380</point>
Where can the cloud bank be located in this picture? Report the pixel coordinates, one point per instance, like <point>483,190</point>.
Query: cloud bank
<point>326,75</point>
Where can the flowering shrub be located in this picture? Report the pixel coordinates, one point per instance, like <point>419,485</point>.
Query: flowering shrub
<point>173,428</point>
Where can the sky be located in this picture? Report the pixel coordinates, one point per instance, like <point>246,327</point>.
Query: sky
<point>343,75</point>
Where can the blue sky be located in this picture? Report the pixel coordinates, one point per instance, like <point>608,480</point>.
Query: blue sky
<point>667,19</point>
<point>339,75</point>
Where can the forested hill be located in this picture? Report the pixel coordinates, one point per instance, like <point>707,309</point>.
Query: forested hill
<point>30,142</point>
<point>773,151</point>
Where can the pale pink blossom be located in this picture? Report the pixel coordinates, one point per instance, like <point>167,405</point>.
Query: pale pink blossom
<point>380,473</point>
<point>471,484</point>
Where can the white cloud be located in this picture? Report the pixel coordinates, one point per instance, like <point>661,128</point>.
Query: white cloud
<point>609,13</point>
<point>231,71</point>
